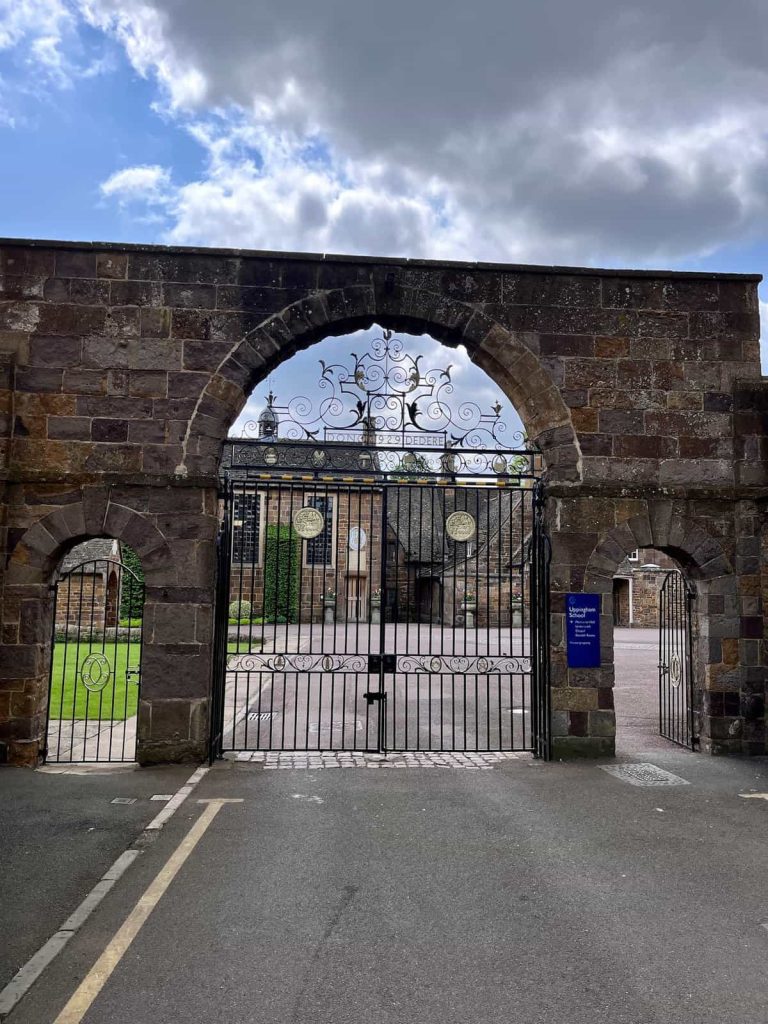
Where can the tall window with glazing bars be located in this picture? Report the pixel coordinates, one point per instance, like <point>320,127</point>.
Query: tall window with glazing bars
<point>246,514</point>
<point>320,548</point>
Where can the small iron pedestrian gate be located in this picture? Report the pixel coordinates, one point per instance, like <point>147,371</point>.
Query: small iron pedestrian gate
<point>380,586</point>
<point>95,671</point>
<point>676,721</point>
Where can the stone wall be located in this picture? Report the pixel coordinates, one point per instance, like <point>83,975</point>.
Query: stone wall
<point>122,367</point>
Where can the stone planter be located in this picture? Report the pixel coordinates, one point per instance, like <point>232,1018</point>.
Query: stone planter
<point>516,614</point>
<point>469,608</point>
<point>375,609</point>
<point>329,610</point>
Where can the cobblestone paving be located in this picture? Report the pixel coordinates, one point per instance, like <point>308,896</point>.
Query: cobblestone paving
<point>355,759</point>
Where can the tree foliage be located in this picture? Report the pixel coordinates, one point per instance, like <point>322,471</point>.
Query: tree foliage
<point>132,589</point>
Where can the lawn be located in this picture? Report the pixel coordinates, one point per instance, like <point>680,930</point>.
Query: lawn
<point>243,646</point>
<point>81,703</point>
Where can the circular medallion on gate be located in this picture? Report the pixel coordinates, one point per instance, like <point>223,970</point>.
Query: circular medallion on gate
<point>279,662</point>
<point>435,664</point>
<point>460,526</point>
<point>500,465</point>
<point>318,458</point>
<point>95,672</point>
<point>270,456</point>
<point>675,669</point>
<point>308,522</point>
<point>327,663</point>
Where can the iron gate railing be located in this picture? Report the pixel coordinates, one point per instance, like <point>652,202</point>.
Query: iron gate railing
<point>676,689</point>
<point>450,651</point>
<point>540,558</point>
<point>383,571</point>
<point>95,673</point>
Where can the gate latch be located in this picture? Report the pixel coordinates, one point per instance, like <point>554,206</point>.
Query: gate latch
<point>373,695</point>
<point>133,675</point>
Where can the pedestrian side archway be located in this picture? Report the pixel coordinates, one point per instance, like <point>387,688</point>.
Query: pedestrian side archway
<point>95,667</point>
<point>698,627</point>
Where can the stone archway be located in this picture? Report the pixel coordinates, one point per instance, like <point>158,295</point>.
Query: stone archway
<point>718,626</point>
<point>28,593</point>
<point>511,363</point>
<point>123,366</point>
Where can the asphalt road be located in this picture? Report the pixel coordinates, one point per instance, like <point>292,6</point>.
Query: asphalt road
<point>59,832</point>
<point>529,893</point>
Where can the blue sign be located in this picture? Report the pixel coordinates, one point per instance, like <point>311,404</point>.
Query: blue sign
<point>582,619</point>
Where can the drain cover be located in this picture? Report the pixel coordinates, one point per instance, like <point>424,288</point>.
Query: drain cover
<point>644,774</point>
<point>263,716</point>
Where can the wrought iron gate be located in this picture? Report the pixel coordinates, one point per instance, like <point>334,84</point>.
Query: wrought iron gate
<point>381,586</point>
<point>676,720</point>
<point>95,673</point>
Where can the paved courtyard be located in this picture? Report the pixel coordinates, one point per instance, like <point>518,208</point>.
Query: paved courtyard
<point>304,686</point>
<point>636,691</point>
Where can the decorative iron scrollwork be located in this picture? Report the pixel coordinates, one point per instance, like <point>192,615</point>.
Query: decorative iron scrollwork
<point>463,664</point>
<point>385,399</point>
<point>95,672</point>
<point>298,662</point>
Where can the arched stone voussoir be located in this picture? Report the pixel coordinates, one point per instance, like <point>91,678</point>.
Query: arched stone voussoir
<point>42,547</point>
<point>701,554</point>
<point>641,530</point>
<point>597,583</point>
<point>518,372</point>
<point>41,544</point>
<point>716,567</point>
<point>139,532</point>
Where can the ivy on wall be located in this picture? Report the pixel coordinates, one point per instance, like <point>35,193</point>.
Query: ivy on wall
<point>282,566</point>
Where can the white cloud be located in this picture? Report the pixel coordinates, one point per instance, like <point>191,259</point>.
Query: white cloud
<point>587,132</point>
<point>599,132</point>
<point>263,190</point>
<point>38,28</point>
<point>43,42</point>
<point>148,184</point>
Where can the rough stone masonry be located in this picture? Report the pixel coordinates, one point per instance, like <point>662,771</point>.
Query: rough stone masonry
<point>123,367</point>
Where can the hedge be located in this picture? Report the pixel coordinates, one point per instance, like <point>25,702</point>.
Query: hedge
<point>282,568</point>
<point>132,592</point>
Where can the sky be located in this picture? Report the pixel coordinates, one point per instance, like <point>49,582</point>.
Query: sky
<point>593,133</point>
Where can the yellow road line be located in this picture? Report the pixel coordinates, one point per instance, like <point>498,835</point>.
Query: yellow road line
<point>99,974</point>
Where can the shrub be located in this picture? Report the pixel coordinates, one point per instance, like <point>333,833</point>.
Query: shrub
<point>240,611</point>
